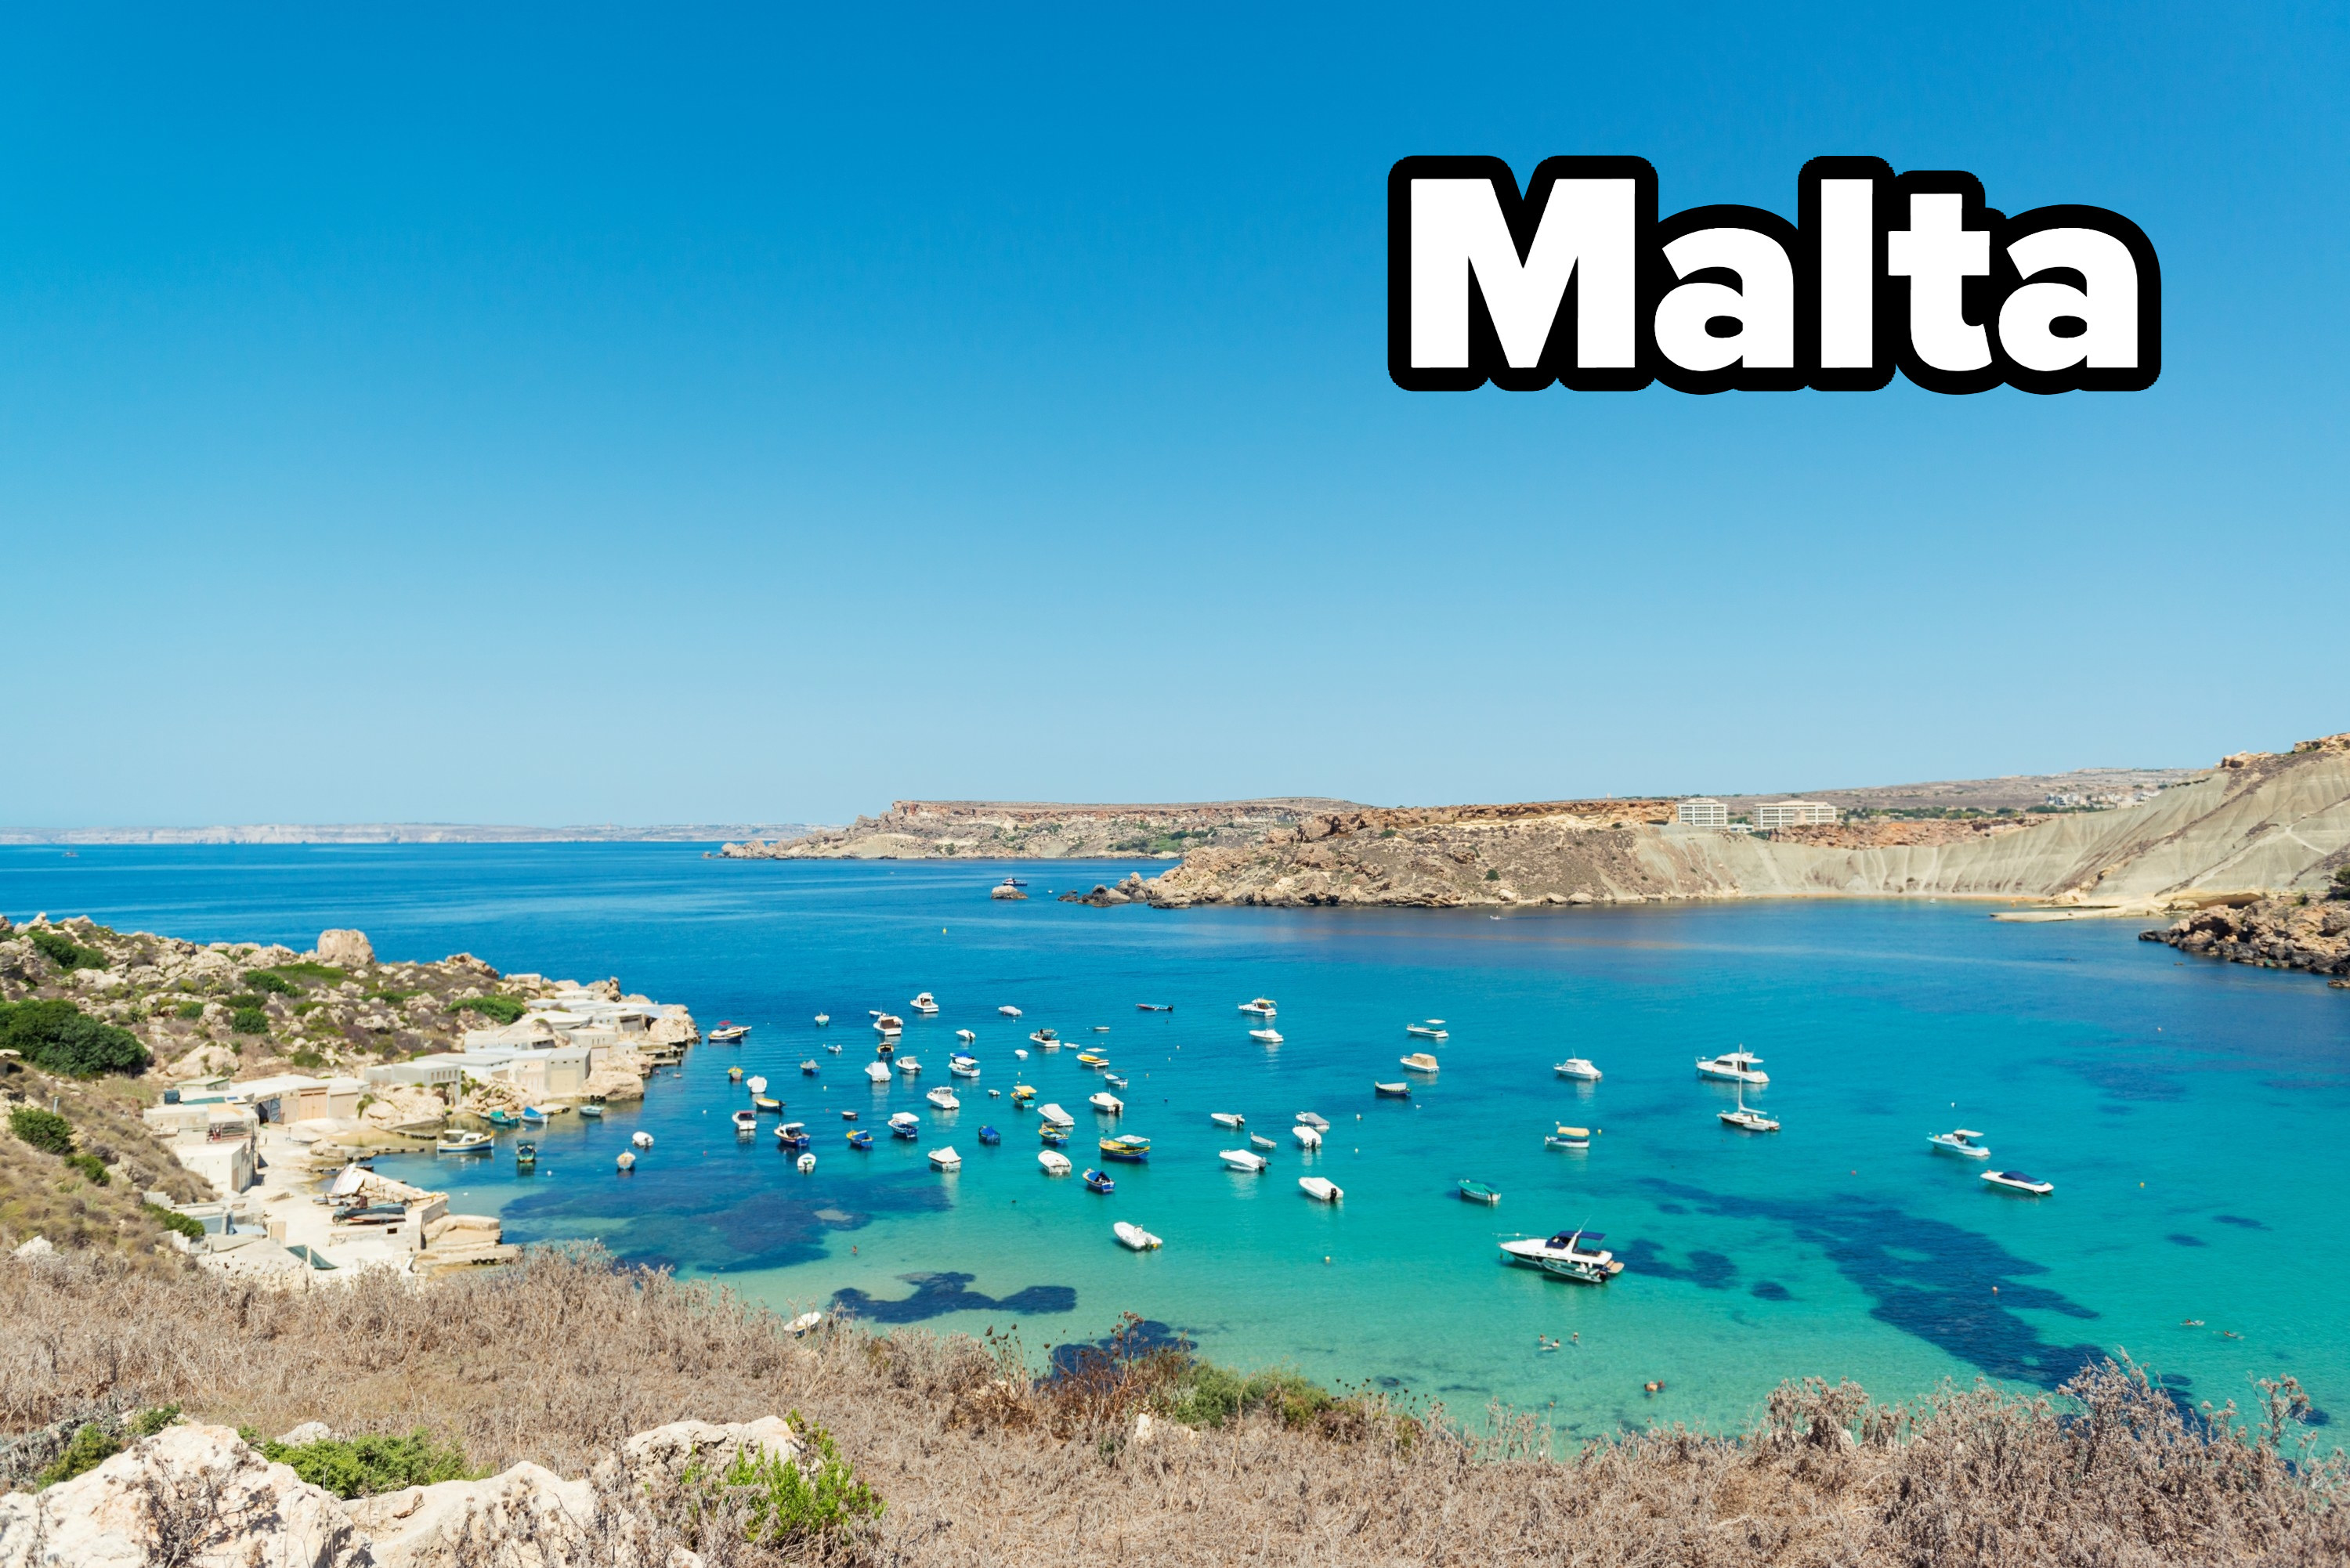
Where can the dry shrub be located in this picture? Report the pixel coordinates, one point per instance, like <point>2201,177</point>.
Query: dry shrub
<point>983,1462</point>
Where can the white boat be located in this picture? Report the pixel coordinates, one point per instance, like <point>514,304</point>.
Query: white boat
<point>1321,1188</point>
<point>1307,1137</point>
<point>944,1098</point>
<point>805,1163</point>
<point>925,1004</point>
<point>1243,1159</point>
<point>1262,1007</point>
<point>822,1019</point>
<point>1431,1030</point>
<point>1733,1067</point>
<point>1009,1011</point>
<point>1745,1119</point>
<point>1134,1236</point>
<point>463,1143</point>
<point>889,1024</point>
<point>994,1093</point>
<point>1106,1103</point>
<point>627,1161</point>
<point>966,1036</point>
<point>756,1086</point>
<point>1319,1124</point>
<point>746,1121</point>
<point>963,1065</point>
<point>1050,1039</point>
<point>1258,1141</point>
<point>1960,1140</point>
<point>946,1160</point>
<point>1056,1116</point>
<point>1576,1067</point>
<point>803,1323</point>
<point>834,1049</point>
<point>642,1140</point>
<point>909,1065</point>
<point>1565,1255</point>
<point>878,1071</point>
<point>905,1122</point>
<point>1568,1138</point>
<point>1022,1053</point>
<point>2016,1181</point>
<point>1054,1162</point>
<point>1228,1118</point>
<point>1265,1036</point>
<point>1419,1061</point>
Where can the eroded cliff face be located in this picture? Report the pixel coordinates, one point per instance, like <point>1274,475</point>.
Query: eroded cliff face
<point>1016,830</point>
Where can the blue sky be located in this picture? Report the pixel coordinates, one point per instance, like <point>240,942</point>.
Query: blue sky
<point>688,414</point>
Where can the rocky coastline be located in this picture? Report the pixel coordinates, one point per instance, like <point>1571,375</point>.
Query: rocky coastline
<point>2311,935</point>
<point>1029,830</point>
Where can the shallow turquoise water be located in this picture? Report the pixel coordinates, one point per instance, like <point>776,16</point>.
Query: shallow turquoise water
<point>2187,1113</point>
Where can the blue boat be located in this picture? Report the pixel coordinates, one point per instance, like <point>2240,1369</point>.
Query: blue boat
<point>1099,1183</point>
<point>860,1139</point>
<point>1052,1134</point>
<point>792,1134</point>
<point>989,1135</point>
<point>502,1119</point>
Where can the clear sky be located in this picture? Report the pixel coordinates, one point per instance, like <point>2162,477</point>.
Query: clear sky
<point>579,414</point>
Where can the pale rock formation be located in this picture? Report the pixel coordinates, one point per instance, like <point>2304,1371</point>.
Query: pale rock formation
<point>674,1027</point>
<point>204,1062</point>
<point>306,1433</point>
<point>661,1455</point>
<point>526,1515</point>
<point>345,949</point>
<point>38,1247</point>
<point>401,1105</point>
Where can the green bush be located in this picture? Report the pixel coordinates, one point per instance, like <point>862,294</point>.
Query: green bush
<point>90,1166</point>
<point>147,1423</point>
<point>272,984</point>
<point>248,1020</point>
<point>324,973</point>
<point>1210,1395</point>
<point>504,1009</point>
<point>45,1130</point>
<point>59,1037</point>
<point>173,1219</point>
<point>2341,882</point>
<point>365,1467</point>
<point>91,1447</point>
<point>191,1011</point>
<point>65,953</point>
<point>787,1503</point>
<point>1492,876</point>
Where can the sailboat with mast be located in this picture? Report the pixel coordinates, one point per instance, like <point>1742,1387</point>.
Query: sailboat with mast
<point>1747,1119</point>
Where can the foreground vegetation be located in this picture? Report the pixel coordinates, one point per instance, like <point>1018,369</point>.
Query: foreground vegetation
<point>954,1451</point>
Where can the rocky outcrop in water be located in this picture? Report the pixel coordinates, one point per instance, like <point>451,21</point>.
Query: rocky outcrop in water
<point>2299,933</point>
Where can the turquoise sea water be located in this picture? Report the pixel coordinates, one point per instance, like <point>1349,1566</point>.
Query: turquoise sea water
<point>2187,1112</point>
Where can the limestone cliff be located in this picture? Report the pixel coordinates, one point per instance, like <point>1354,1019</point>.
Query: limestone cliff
<point>1027,830</point>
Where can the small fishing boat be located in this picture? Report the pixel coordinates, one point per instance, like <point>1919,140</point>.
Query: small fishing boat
<point>1052,1163</point>
<point>1733,1066</point>
<point>848,1115</point>
<point>502,1118</point>
<point>1228,1118</point>
<point>1048,1132</point>
<point>924,1004</point>
<point>888,1023</point>
<point>1022,1092</point>
<point>1101,1028</point>
<point>1420,1061</point>
<point>1154,1007</point>
<point>1114,1080</point>
<point>756,1086</point>
<point>990,1137</point>
<point>1431,1030</point>
<point>966,1036</point>
<point>1568,1138</point>
<point>627,1162</point>
<point>805,1165</point>
<point>1097,1182</point>
<point>1243,1159</point>
<point>1308,1119</point>
<point>793,1135</point>
<point>1307,1137</point>
<point>861,1138</point>
<point>834,1050</point>
<point>945,1159</point>
<point>1391,1091</point>
<point>2016,1181</point>
<point>1009,1011</point>
<point>1565,1255</point>
<point>944,1098</point>
<point>1048,1038</point>
<point>1479,1191</point>
<point>746,1121</point>
<point>994,1093</point>
<point>807,1068</point>
<point>727,1034</point>
<point>767,1103</point>
<point>641,1139</point>
<point>963,1065</point>
<point>1321,1188</point>
<point>1959,1141</point>
<point>1745,1119</point>
<point>1265,1036</point>
<point>1126,1147</point>
<point>822,1019</point>
<point>1258,1141</point>
<point>887,1049</point>
<point>454,1142</point>
<point>909,1065</point>
<point>534,1116</point>
<point>1134,1236</point>
<point>1055,1116</point>
<point>878,1071</point>
<point>733,1075</point>
<point>1106,1103</point>
<point>1262,1007</point>
<point>1092,1059</point>
<point>525,1154</point>
<point>1577,1068</point>
<point>906,1124</point>
<point>593,1110</point>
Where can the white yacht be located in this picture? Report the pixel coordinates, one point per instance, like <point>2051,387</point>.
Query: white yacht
<point>1959,1141</point>
<point>1307,1137</point>
<point>1576,1067</point>
<point>889,1024</point>
<point>1134,1237</point>
<point>946,1160</point>
<point>1431,1030</point>
<point>2016,1181</point>
<point>1106,1103</point>
<point>944,1098</point>
<point>1246,1159</point>
<point>966,1036</point>
<point>1262,1007</point>
<point>1265,1036</point>
<point>1733,1067</point>
<point>1566,1254</point>
<point>1746,1119</point>
<point>924,1004</point>
<point>1228,1118</point>
<point>878,1071</point>
<point>1321,1188</point>
<point>909,1065</point>
<point>1053,1115</point>
<point>746,1121</point>
<point>1009,1011</point>
<point>963,1065</point>
<point>1054,1161</point>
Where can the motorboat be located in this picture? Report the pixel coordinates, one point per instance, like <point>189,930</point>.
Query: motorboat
<point>756,1086</point>
<point>1049,1134</point>
<point>627,1162</point>
<point>990,1137</point>
<point>1321,1188</point>
<point>1479,1191</point>
<point>746,1121</point>
<point>1258,1141</point>
<point>944,1098</point>
<point>1054,1162</point>
<point>1134,1236</point>
<point>2016,1181</point>
<point>1746,1119</point>
<point>1154,1007</point>
<point>848,1115</point>
<point>1242,1159</point>
<point>878,1071</point>
<point>1576,1067</point>
<point>888,1024</point>
<point>1101,1028</point>
<point>1053,1115</point>
<point>994,1093</point>
<point>1262,1007</point>
<point>793,1135</point>
<point>733,1075</point>
<point>1092,1059</point>
<point>641,1139</point>
<point>887,1049</point>
<point>1020,1053</point>
<point>966,1036</point>
<point>1566,1255</point>
<point>1420,1061</point>
<point>1114,1080</point>
<point>945,1159</point>
<point>1106,1103</point>
<point>1568,1138</point>
<point>805,1165</point>
<point>861,1138</point>
<point>807,1068</point>
<point>1265,1036</point>
<point>1097,1182</point>
<point>1009,1011</point>
<point>1431,1030</point>
<point>1733,1067</point>
<point>1390,1091</point>
<point>924,1004</point>
<point>592,1110</point>
<point>909,1065</point>
<point>767,1103</point>
<point>1959,1141</point>
<point>963,1065</point>
<point>1307,1137</point>
<point>727,1034</point>
<point>1228,1119</point>
<point>905,1124</point>
<point>453,1142</point>
<point>1308,1119</point>
<point>822,1019</point>
<point>1127,1148</point>
<point>1048,1038</point>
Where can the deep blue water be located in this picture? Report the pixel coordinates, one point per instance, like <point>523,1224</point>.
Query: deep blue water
<point>2187,1111</point>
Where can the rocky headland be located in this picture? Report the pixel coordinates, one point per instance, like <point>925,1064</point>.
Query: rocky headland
<point>1029,830</point>
<point>2300,932</point>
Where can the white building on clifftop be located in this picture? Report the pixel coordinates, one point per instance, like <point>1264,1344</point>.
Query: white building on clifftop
<point>1792,814</point>
<point>1701,813</point>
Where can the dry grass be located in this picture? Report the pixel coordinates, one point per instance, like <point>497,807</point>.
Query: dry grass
<point>40,1195</point>
<point>558,1359</point>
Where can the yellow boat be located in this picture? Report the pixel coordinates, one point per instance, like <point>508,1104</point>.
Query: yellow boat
<point>1022,1093</point>
<point>1092,1059</point>
<point>733,1075</point>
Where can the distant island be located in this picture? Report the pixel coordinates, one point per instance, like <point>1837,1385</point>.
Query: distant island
<point>405,833</point>
<point>1038,830</point>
